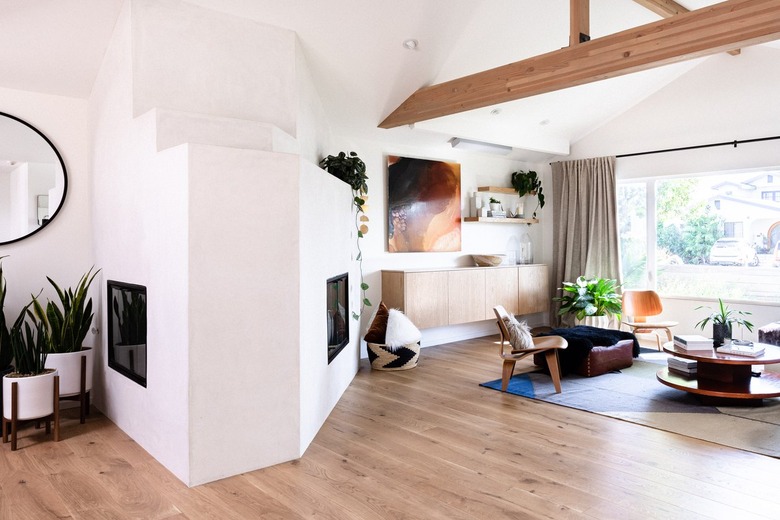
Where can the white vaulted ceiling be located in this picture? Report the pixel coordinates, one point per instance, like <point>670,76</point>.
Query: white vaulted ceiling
<point>362,70</point>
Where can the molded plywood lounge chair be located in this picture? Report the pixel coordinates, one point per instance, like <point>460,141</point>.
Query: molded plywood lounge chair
<point>638,305</point>
<point>510,355</point>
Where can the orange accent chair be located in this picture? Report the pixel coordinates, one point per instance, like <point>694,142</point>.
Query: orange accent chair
<point>547,344</point>
<point>637,307</point>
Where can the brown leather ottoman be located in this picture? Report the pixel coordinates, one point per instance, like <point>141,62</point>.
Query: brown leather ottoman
<point>601,360</point>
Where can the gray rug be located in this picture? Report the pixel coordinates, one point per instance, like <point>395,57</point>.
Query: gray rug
<point>634,395</point>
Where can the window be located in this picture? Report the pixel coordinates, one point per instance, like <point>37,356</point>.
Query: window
<point>771,195</point>
<point>732,229</point>
<point>675,239</point>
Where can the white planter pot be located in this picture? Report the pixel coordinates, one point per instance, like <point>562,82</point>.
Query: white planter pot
<point>68,366</point>
<point>35,396</point>
<point>601,322</point>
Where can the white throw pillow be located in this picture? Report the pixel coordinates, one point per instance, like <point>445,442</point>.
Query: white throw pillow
<point>519,333</point>
<point>400,330</point>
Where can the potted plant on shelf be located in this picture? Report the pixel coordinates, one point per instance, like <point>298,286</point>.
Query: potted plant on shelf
<point>351,169</point>
<point>528,183</point>
<point>591,301</point>
<point>722,320</point>
<point>495,204</point>
<point>66,326</point>
<point>35,382</point>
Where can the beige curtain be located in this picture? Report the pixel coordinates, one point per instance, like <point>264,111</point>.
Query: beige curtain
<point>585,239</point>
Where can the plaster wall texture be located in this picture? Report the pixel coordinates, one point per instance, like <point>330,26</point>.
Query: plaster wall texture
<point>209,209</point>
<point>140,201</point>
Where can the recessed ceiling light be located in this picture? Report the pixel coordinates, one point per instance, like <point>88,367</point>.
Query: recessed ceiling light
<point>495,111</point>
<point>544,122</point>
<point>411,44</point>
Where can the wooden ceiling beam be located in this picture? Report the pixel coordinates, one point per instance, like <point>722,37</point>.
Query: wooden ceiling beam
<point>669,8</point>
<point>579,26</point>
<point>718,28</point>
<point>665,8</point>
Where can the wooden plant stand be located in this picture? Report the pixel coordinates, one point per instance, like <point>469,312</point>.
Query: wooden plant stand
<point>83,396</point>
<point>13,424</point>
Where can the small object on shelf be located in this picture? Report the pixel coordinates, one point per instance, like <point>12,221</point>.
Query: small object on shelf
<point>525,254</point>
<point>686,367</point>
<point>488,260</point>
<point>497,214</point>
<point>741,350</point>
<point>692,342</point>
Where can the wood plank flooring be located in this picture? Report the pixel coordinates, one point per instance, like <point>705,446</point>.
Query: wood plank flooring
<point>427,443</point>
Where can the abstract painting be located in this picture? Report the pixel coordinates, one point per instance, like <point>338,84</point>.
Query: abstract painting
<point>423,205</point>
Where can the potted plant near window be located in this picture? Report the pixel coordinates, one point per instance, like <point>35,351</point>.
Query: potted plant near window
<point>529,183</point>
<point>351,169</point>
<point>35,384</point>
<point>722,320</point>
<point>591,301</point>
<point>65,327</point>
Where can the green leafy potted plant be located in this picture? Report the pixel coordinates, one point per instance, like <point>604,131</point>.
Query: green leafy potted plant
<point>590,297</point>
<point>529,183</point>
<point>351,169</point>
<point>66,326</point>
<point>35,395</point>
<point>722,320</point>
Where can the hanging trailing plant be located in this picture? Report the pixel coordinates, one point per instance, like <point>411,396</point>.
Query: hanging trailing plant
<point>529,183</point>
<point>352,170</point>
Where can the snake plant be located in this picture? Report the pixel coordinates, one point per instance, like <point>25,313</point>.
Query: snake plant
<point>28,347</point>
<point>68,325</point>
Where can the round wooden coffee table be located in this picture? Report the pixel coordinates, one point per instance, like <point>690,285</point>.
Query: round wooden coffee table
<point>725,376</point>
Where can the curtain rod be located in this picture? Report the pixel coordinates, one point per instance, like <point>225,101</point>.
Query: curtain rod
<point>711,145</point>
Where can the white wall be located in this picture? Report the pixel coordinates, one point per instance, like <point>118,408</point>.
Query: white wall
<point>326,250</point>
<point>140,201</point>
<point>228,228</point>
<point>725,98</point>
<point>197,60</point>
<point>244,315</point>
<point>63,250</point>
<point>476,238</point>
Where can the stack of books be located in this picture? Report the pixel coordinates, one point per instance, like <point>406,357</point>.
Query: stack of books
<point>686,367</point>
<point>692,342</point>
<point>497,214</point>
<point>735,349</point>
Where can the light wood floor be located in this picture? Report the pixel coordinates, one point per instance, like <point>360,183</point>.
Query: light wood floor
<point>426,443</point>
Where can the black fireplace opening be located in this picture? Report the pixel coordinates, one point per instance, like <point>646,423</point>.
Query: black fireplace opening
<point>337,318</point>
<point>127,330</point>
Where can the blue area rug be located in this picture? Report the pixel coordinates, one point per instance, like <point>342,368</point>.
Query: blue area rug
<point>633,394</point>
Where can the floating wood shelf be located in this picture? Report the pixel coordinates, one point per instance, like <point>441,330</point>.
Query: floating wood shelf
<point>496,189</point>
<point>502,220</point>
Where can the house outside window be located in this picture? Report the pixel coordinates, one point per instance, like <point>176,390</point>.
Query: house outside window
<point>771,195</point>
<point>670,229</point>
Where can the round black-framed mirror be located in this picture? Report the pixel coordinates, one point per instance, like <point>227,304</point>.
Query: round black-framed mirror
<point>33,180</point>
